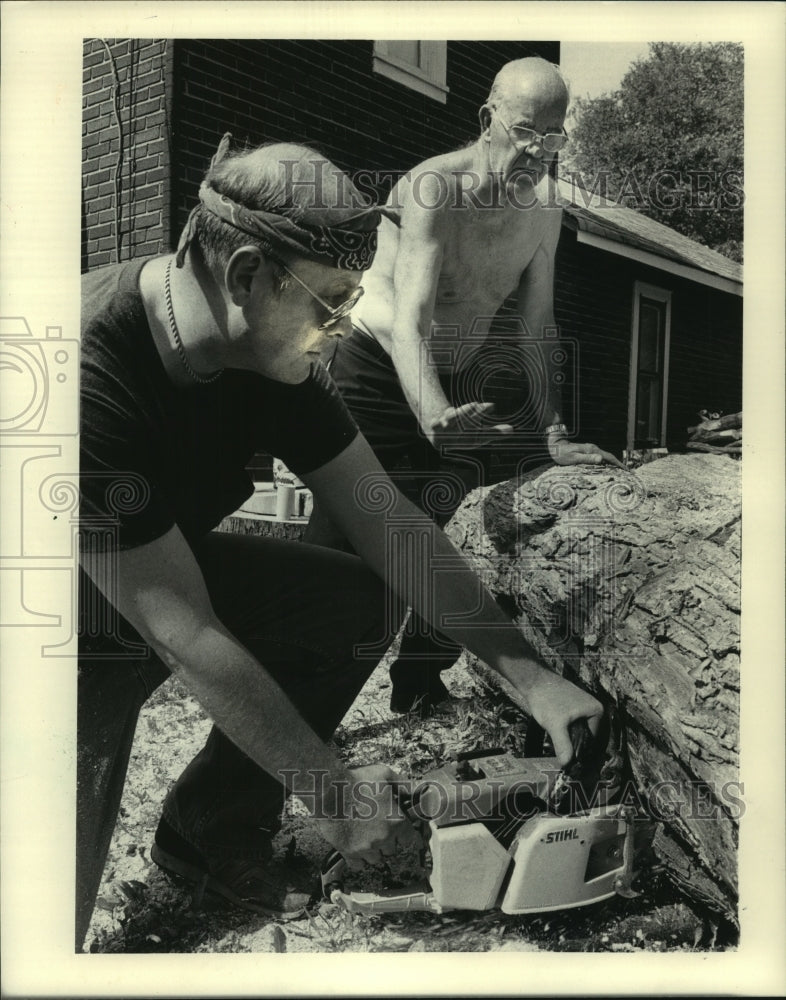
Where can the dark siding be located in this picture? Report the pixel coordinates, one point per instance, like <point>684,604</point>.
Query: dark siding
<point>705,371</point>
<point>594,308</point>
<point>593,302</point>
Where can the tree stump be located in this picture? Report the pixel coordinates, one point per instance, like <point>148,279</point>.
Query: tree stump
<point>631,583</point>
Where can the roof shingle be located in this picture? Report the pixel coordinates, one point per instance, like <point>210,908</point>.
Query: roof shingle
<point>624,225</point>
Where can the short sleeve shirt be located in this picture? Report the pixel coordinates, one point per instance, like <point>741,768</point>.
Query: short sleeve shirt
<point>153,454</point>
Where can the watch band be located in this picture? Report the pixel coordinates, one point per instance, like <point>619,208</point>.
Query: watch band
<point>554,428</point>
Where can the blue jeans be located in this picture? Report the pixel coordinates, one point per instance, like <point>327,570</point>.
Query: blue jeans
<point>300,610</point>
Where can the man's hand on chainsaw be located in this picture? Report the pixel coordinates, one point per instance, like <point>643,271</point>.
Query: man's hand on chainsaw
<point>374,825</point>
<point>554,703</point>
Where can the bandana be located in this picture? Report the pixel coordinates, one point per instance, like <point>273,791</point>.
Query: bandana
<point>344,238</point>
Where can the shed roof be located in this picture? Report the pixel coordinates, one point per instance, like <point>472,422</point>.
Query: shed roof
<point>608,221</point>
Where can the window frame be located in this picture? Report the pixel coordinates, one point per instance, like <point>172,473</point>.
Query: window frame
<point>642,290</point>
<point>429,77</point>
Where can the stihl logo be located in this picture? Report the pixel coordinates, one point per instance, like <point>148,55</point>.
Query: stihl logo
<point>555,835</point>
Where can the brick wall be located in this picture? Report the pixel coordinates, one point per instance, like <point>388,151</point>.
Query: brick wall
<point>324,94</point>
<point>125,150</point>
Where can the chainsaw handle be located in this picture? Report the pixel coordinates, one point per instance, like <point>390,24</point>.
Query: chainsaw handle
<point>334,863</point>
<point>582,740</point>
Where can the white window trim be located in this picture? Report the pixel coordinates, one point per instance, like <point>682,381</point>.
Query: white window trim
<point>430,82</point>
<point>641,289</point>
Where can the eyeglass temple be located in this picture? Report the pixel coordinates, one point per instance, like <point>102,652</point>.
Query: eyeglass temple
<point>562,134</point>
<point>352,299</point>
<point>302,283</point>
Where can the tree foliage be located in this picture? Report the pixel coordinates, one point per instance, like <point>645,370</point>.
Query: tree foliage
<point>669,142</point>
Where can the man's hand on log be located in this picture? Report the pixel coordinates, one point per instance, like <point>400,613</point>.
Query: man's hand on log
<point>554,703</point>
<point>565,452</point>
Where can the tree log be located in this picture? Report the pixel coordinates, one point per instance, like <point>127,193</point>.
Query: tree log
<point>716,437</point>
<point>719,423</point>
<point>630,583</point>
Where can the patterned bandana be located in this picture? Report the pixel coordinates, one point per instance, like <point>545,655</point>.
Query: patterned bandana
<point>348,241</point>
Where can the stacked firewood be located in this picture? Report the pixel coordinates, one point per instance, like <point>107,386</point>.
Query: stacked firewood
<point>721,435</point>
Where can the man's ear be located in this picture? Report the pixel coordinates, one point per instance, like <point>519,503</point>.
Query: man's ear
<point>484,117</point>
<point>244,267</point>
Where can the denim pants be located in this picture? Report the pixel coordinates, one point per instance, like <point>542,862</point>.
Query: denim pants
<point>301,611</point>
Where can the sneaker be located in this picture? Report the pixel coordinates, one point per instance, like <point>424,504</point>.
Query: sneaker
<point>270,887</point>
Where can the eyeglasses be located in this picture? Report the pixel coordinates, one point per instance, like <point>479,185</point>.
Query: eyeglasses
<point>552,142</point>
<point>336,314</point>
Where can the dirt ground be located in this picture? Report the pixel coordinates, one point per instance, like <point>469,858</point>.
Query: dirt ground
<point>139,909</point>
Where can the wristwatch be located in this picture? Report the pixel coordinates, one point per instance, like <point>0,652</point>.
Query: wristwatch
<point>556,428</point>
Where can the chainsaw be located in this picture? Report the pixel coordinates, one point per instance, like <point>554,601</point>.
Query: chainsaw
<point>506,832</point>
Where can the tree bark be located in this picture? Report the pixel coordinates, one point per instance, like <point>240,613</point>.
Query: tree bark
<point>631,583</point>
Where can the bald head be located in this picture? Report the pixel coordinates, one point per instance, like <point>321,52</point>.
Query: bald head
<point>287,178</point>
<point>531,77</point>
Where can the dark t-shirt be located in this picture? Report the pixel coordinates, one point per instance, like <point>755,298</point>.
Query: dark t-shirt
<point>153,454</point>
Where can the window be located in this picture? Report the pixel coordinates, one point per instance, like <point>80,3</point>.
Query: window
<point>421,66</point>
<point>649,367</point>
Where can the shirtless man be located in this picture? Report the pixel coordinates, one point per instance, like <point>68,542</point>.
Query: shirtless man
<point>477,225</point>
